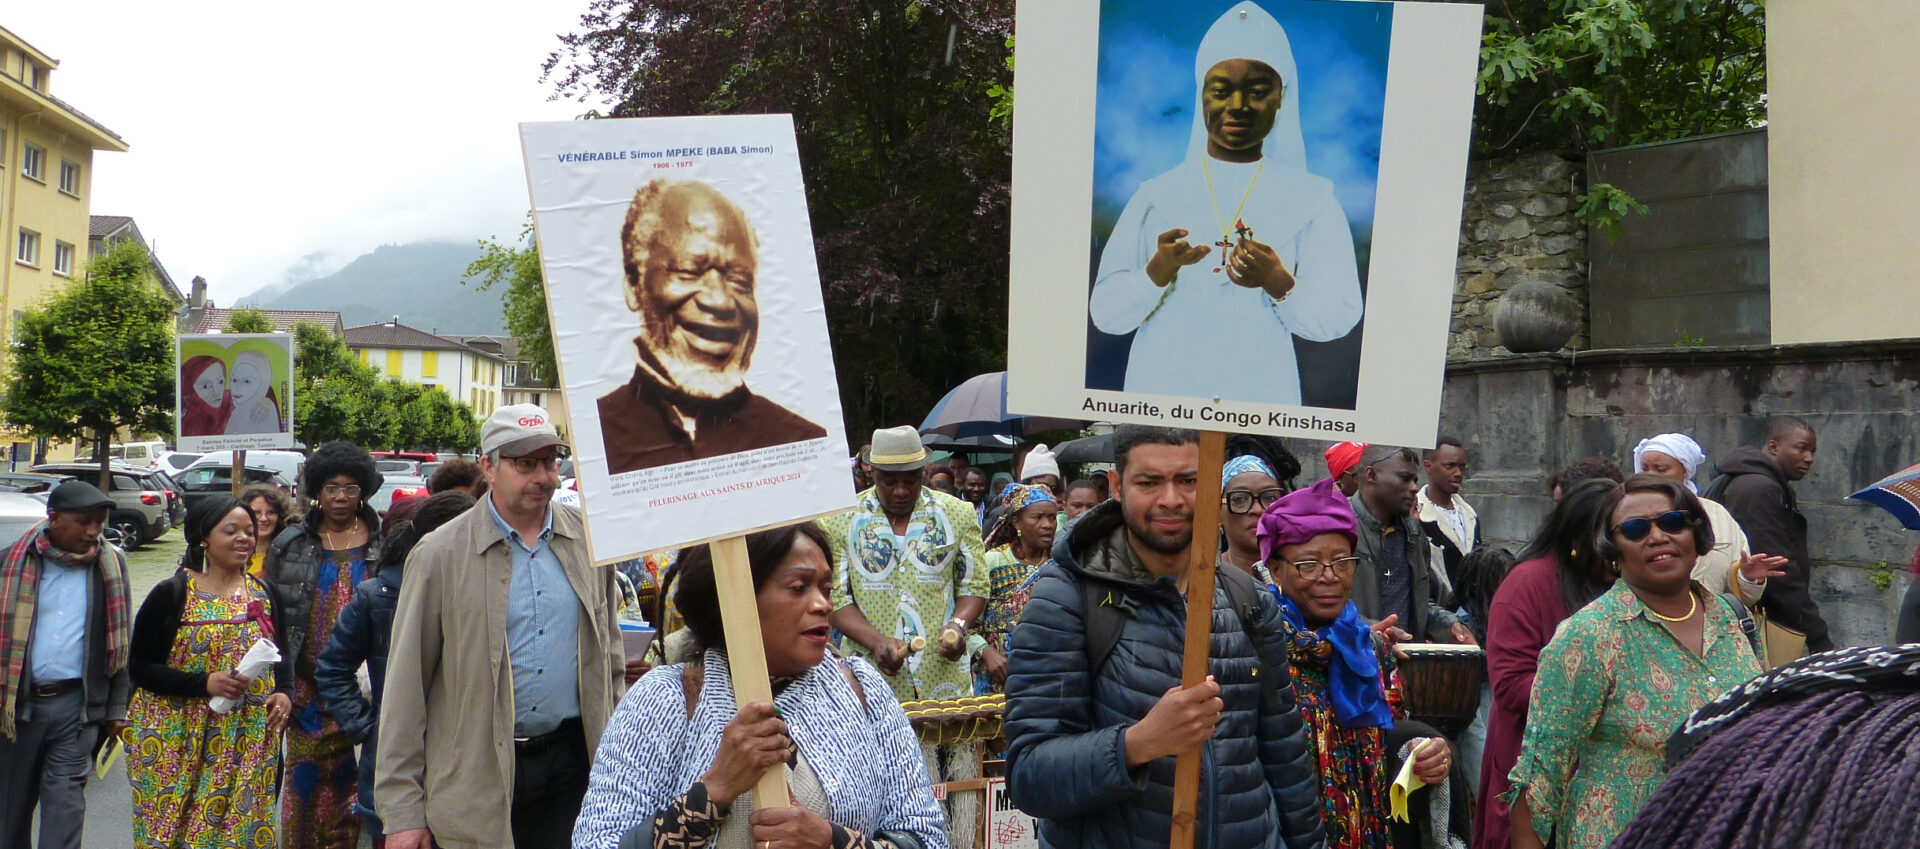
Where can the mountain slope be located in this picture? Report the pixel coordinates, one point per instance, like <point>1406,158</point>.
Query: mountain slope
<point>417,281</point>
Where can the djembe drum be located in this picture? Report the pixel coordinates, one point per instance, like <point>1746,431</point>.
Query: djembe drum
<point>1440,684</point>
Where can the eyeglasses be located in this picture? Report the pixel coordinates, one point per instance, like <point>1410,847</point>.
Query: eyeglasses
<point>1672,522</point>
<point>529,465</point>
<point>333,490</point>
<point>1242,500</point>
<point>1313,569</point>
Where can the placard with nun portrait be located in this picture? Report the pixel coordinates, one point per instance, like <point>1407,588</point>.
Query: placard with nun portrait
<point>689,327</point>
<point>1239,215</point>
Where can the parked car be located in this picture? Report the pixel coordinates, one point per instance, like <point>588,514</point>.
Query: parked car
<point>137,453</point>
<point>205,481</point>
<point>396,486</point>
<point>176,461</point>
<point>30,481</point>
<point>410,468</point>
<point>140,510</point>
<point>417,456</point>
<point>176,496</point>
<point>288,463</point>
<point>19,512</point>
<point>427,469</point>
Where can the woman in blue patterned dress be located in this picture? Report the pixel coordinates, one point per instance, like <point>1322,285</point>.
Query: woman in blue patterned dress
<point>679,759</point>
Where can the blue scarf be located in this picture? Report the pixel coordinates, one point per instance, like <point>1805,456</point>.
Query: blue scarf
<point>1353,672</point>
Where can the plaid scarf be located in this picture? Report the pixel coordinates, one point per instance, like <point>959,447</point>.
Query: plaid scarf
<point>19,590</point>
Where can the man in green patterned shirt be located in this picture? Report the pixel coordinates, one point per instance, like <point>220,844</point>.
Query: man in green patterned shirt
<point>908,567</point>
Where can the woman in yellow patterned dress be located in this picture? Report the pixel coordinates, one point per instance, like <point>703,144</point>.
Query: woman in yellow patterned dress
<point>202,778</point>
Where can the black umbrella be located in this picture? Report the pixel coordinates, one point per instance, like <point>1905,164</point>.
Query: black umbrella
<point>1088,449</point>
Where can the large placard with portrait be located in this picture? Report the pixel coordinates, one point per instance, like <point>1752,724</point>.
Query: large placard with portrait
<point>235,391</point>
<point>690,331</point>
<point>1239,215</point>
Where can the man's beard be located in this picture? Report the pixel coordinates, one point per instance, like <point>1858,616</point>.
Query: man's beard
<point>693,376</point>
<point>1143,531</point>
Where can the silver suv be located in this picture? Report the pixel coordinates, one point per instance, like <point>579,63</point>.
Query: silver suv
<point>139,500</point>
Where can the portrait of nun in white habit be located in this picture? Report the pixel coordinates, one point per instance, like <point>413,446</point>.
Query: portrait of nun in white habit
<point>1238,249</point>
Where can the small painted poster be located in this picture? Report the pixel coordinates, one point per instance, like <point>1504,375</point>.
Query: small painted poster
<point>1007,826</point>
<point>235,391</point>
<point>1239,215</point>
<point>689,327</point>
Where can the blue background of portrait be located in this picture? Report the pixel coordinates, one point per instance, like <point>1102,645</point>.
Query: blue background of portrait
<point>1144,115</point>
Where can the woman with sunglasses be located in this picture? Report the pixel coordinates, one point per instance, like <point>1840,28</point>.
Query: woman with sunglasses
<point>1339,666</point>
<point>1016,549</point>
<point>1624,672</point>
<point>1248,487</point>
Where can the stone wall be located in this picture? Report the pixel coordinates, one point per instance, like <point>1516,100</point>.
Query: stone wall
<point>1518,225</point>
<point>1522,416</point>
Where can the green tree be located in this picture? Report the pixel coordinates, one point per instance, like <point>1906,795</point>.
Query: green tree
<point>906,172</point>
<point>335,395</point>
<point>1583,75</point>
<point>524,303</point>
<point>96,356</point>
<point>249,319</point>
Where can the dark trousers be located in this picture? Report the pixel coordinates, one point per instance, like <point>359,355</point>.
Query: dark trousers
<point>549,781</point>
<point>46,765</point>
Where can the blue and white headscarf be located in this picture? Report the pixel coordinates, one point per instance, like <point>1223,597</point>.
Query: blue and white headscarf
<point>1243,464</point>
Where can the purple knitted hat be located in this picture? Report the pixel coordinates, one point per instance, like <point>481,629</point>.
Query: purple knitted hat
<point>1304,514</point>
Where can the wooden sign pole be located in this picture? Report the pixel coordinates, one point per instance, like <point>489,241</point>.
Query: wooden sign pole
<point>1203,554</point>
<point>240,472</point>
<point>746,654</point>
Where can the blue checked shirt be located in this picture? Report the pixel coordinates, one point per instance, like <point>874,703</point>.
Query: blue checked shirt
<point>543,640</point>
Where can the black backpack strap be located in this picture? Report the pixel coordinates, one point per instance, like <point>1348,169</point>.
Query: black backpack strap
<point>1244,594</point>
<point>1717,488</point>
<point>1105,610</point>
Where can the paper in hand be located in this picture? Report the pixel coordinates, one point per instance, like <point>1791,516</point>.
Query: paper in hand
<point>260,657</point>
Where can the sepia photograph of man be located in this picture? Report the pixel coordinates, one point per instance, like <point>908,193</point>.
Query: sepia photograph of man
<point>691,259</point>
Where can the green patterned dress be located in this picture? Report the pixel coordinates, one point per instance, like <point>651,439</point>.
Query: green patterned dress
<point>1613,684</point>
<point>907,586</point>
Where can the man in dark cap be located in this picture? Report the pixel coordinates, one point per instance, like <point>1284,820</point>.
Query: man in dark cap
<point>65,621</point>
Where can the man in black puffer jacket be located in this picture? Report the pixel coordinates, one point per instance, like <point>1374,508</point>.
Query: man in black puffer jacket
<point>1091,750</point>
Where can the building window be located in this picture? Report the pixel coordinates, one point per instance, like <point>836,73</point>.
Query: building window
<point>365,360</point>
<point>62,258</point>
<point>70,177</point>
<point>429,363</point>
<point>393,363</point>
<point>34,163</point>
<point>36,77</point>
<point>5,152</point>
<point>28,252</point>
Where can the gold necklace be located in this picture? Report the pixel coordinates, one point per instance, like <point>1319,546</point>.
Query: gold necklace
<point>1692,608</point>
<point>1213,200</point>
<point>328,536</point>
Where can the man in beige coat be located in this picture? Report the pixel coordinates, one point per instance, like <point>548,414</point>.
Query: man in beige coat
<point>505,663</point>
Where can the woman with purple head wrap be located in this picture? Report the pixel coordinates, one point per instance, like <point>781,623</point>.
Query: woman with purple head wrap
<point>1339,665</point>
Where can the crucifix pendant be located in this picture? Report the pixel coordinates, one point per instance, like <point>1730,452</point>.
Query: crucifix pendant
<point>1226,249</point>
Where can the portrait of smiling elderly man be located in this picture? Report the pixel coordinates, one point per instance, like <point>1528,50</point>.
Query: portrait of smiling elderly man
<point>692,268</point>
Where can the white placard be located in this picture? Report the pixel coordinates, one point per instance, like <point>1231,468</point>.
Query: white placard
<point>1008,827</point>
<point>1354,182</point>
<point>234,392</point>
<point>689,326</point>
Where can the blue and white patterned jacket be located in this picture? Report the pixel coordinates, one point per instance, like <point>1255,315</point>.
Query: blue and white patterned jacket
<point>871,768</point>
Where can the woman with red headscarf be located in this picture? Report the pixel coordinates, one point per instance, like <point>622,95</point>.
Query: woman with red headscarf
<point>206,403</point>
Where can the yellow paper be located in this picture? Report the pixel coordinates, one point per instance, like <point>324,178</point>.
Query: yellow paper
<point>1403,784</point>
<point>108,754</point>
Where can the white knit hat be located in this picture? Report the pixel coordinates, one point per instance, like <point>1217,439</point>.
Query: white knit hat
<point>1039,462</point>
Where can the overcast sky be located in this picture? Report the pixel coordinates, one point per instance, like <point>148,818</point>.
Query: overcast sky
<point>262,133</point>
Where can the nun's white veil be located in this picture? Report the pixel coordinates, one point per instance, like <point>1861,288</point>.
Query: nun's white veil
<point>1246,31</point>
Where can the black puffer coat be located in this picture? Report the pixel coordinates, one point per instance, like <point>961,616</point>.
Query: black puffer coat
<point>1066,763</point>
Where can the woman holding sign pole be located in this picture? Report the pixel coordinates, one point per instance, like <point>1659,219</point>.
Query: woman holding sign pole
<point>679,759</point>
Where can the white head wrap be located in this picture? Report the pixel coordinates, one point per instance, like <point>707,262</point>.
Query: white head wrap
<point>1039,461</point>
<point>1680,447</point>
<point>1246,31</point>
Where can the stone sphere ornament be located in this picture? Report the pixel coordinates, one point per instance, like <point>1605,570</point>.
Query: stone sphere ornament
<point>1535,317</point>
